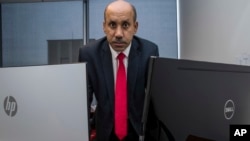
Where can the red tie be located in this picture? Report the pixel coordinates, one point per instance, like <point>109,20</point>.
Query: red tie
<point>121,100</point>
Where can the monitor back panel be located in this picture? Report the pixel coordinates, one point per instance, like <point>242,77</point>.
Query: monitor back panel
<point>200,98</point>
<point>43,103</point>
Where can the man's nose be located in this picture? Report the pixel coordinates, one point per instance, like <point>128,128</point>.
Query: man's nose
<point>119,32</point>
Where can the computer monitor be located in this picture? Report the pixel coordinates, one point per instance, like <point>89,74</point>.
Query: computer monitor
<point>198,99</point>
<point>44,103</point>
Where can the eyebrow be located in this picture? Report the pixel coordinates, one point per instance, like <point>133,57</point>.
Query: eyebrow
<point>127,20</point>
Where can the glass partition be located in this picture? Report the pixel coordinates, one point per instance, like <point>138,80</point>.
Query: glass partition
<point>31,31</point>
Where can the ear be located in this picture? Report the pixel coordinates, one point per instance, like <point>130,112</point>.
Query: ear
<point>136,27</point>
<point>103,27</point>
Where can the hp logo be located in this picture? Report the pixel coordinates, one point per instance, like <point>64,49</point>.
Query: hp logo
<point>10,106</point>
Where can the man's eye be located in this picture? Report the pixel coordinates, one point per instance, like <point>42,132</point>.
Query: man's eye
<point>125,25</point>
<point>112,25</point>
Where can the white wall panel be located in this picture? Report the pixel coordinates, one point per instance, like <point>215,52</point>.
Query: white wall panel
<point>215,30</point>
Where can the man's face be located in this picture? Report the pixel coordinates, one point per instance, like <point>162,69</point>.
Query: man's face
<point>119,27</point>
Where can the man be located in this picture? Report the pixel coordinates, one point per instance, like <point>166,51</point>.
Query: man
<point>104,79</point>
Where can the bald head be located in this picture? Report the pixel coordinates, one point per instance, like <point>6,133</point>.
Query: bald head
<point>120,24</point>
<point>120,5</point>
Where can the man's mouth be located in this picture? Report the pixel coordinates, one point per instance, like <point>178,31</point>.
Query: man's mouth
<point>118,43</point>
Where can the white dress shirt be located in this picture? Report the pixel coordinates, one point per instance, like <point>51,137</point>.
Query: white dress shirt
<point>116,62</point>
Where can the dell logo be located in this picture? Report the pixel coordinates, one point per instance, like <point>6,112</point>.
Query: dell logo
<point>10,106</point>
<point>229,109</point>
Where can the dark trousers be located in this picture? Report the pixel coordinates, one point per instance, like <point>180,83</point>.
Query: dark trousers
<point>132,135</point>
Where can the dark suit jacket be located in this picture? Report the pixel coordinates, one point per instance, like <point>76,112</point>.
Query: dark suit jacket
<point>101,81</point>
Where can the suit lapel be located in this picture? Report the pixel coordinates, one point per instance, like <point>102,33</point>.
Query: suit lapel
<point>133,64</point>
<point>108,71</point>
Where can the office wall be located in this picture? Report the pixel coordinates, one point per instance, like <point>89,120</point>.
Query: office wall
<point>215,30</point>
<point>26,27</point>
<point>157,22</point>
